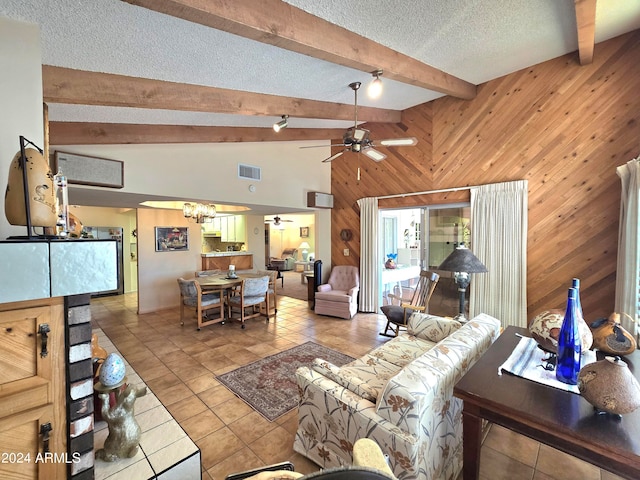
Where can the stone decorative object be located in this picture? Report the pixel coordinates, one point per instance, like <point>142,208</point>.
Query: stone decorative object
<point>390,264</point>
<point>42,203</point>
<point>112,371</point>
<point>124,431</point>
<point>610,337</point>
<point>545,329</point>
<point>609,386</point>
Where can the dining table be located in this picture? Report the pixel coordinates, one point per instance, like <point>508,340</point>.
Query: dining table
<point>223,283</point>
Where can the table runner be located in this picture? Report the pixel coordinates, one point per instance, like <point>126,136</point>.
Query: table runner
<point>526,361</point>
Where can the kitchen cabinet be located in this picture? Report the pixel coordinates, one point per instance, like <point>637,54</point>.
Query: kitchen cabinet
<point>32,389</point>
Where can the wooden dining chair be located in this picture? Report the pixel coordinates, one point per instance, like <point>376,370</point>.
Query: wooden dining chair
<point>250,294</point>
<point>272,295</point>
<point>191,296</point>
<point>399,311</point>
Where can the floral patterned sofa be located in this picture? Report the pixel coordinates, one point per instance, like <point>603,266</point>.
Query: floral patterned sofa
<point>400,395</point>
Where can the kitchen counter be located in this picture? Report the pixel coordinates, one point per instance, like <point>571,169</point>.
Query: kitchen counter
<point>222,260</point>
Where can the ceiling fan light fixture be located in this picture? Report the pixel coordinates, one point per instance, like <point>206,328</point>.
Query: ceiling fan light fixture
<point>284,123</point>
<point>374,90</point>
<point>374,155</point>
<point>399,142</point>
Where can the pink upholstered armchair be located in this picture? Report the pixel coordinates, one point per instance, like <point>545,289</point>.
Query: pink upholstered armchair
<point>339,296</point>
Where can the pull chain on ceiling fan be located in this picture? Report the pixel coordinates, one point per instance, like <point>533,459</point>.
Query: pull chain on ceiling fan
<point>357,139</point>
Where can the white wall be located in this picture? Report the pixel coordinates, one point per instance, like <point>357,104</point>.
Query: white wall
<point>209,172</point>
<point>20,99</point>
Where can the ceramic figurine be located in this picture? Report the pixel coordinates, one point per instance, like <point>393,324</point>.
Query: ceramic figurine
<point>124,431</point>
<point>609,386</point>
<point>610,337</point>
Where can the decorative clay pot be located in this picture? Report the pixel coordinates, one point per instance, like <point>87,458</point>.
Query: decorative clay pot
<point>609,386</point>
<point>41,192</point>
<point>610,337</point>
<point>390,264</point>
<point>545,329</point>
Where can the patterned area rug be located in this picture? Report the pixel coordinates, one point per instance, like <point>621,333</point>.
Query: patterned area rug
<point>269,385</point>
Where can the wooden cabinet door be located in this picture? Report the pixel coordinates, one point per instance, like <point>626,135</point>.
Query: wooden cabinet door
<point>32,386</point>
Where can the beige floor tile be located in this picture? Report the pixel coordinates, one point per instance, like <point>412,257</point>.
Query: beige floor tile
<point>497,466</point>
<point>276,446</point>
<point>187,408</point>
<point>173,394</point>
<point>252,426</point>
<point>202,383</point>
<point>201,425</point>
<point>217,446</point>
<point>511,444</point>
<point>240,461</point>
<point>232,410</point>
<point>214,396</point>
<point>551,460</point>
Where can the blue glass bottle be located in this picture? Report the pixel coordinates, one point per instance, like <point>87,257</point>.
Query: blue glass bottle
<point>576,284</point>
<point>569,345</point>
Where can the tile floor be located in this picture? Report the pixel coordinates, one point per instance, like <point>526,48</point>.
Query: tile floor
<point>179,365</point>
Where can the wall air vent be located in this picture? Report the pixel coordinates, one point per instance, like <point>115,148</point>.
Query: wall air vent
<point>249,172</point>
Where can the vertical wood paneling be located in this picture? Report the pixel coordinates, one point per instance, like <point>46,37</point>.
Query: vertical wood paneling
<point>562,126</point>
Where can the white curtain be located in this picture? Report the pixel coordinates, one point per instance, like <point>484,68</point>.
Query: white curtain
<point>499,240</point>
<point>368,254</point>
<point>627,282</point>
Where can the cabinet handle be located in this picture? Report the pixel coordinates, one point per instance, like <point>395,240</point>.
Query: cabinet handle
<point>43,330</point>
<point>45,429</point>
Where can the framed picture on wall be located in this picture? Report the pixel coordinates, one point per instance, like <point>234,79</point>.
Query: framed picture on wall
<point>172,239</point>
<point>304,232</point>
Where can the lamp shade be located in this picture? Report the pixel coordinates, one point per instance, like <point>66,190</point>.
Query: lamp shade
<point>462,260</point>
<point>304,246</point>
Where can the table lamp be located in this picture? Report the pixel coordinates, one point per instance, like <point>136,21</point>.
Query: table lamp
<point>304,246</point>
<point>462,262</point>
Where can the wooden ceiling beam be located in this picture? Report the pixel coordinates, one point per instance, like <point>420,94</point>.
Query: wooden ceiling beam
<point>586,24</point>
<point>84,133</point>
<point>80,87</point>
<point>277,23</point>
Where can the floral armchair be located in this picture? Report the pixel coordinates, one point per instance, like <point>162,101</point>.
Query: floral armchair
<point>399,395</point>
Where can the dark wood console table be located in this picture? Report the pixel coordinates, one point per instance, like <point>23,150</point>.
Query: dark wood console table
<point>560,419</point>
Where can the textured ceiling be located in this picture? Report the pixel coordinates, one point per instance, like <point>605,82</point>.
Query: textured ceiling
<point>474,40</point>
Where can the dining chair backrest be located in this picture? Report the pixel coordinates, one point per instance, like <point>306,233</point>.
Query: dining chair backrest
<point>255,287</point>
<point>188,288</point>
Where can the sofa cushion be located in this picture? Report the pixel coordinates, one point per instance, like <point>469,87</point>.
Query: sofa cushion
<point>345,379</point>
<point>373,371</point>
<point>402,349</point>
<point>431,327</point>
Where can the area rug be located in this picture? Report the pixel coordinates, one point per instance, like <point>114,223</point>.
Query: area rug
<point>269,385</point>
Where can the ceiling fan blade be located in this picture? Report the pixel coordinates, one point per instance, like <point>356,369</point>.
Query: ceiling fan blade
<point>398,142</point>
<point>374,154</point>
<point>318,146</point>
<point>333,157</point>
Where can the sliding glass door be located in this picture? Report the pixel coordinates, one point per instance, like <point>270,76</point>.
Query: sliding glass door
<point>422,238</point>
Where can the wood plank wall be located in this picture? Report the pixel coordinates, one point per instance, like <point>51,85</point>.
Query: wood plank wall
<point>563,127</point>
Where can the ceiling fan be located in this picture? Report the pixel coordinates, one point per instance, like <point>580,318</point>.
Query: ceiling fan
<point>357,139</point>
<point>277,220</point>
